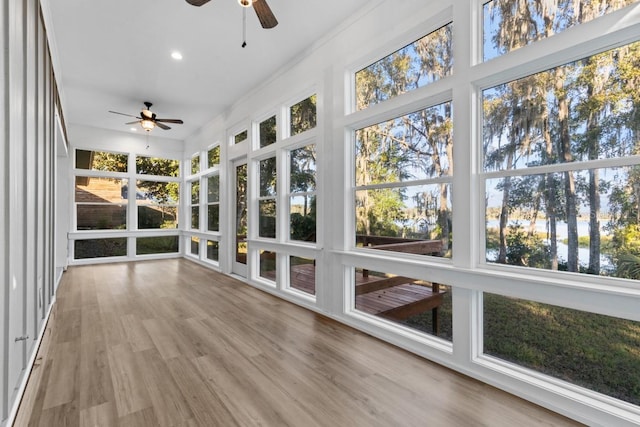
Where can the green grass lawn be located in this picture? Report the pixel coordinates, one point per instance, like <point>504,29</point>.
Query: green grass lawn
<point>598,352</point>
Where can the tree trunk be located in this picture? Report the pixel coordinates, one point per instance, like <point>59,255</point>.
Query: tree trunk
<point>569,179</point>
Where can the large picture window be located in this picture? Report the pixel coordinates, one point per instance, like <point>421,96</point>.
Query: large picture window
<point>554,200</point>
<point>403,171</point>
<point>594,351</point>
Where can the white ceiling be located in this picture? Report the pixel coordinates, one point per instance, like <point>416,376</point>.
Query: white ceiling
<point>115,54</point>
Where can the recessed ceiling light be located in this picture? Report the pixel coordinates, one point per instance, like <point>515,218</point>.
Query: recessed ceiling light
<point>176,55</point>
<point>133,129</point>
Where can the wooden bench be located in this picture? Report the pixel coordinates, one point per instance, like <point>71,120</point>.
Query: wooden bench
<point>398,298</point>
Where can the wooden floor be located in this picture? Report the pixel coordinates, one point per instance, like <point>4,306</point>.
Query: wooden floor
<point>169,343</point>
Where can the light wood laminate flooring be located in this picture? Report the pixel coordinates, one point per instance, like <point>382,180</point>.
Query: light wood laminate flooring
<point>171,343</point>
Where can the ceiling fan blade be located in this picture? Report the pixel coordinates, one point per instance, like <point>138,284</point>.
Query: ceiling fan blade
<point>197,2</point>
<point>162,126</point>
<point>133,123</point>
<point>123,114</point>
<point>177,121</point>
<point>265,15</point>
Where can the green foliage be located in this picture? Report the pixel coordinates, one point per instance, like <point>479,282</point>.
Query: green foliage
<point>303,115</point>
<point>526,250</point>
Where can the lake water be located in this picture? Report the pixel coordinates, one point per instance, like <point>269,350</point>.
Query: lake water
<point>563,249</point>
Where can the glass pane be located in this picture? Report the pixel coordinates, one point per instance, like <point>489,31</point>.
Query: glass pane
<point>581,111</point>
<point>101,217</point>
<point>302,274</point>
<point>195,192</point>
<point>303,218</point>
<point>591,350</point>
<point>415,65</point>
<point>213,189</point>
<point>416,146</point>
<point>240,137</point>
<point>419,304</point>
<point>303,169</point>
<point>101,203</point>
<point>157,245</point>
<point>582,221</point>
<point>268,177</point>
<point>414,220</point>
<point>267,218</point>
<point>212,250</point>
<point>195,217</point>
<point>157,216</point>
<point>195,245</point>
<point>100,190</point>
<point>100,248</point>
<point>157,166</point>
<point>157,192</point>
<point>303,115</point>
<point>510,24</point>
<point>195,164</point>
<point>241,214</point>
<point>213,217</point>
<point>213,156</point>
<point>268,132</point>
<point>101,161</point>
<point>268,265</point>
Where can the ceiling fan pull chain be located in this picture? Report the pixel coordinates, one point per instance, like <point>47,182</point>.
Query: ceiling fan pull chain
<point>244,27</point>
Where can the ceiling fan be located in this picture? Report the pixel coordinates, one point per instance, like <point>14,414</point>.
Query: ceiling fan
<point>148,120</point>
<point>265,15</point>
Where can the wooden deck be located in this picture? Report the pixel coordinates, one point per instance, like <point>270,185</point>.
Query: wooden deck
<point>396,298</point>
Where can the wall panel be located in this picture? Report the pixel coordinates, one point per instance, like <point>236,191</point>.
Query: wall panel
<point>27,194</point>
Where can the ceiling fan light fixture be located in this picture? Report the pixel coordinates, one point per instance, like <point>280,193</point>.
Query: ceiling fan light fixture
<point>147,125</point>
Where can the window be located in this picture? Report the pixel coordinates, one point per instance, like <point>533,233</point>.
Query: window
<point>302,116</point>
<point>101,161</point>
<point>302,274</point>
<point>418,304</point>
<point>268,265</point>
<point>195,164</point>
<point>302,198</point>
<point>509,24</point>
<point>213,156</point>
<point>101,203</point>
<point>267,198</point>
<point>544,209</point>
<point>194,248</point>
<point>213,203</point>
<point>422,62</point>
<point>157,203</point>
<point>157,166</point>
<point>591,350</point>
<point>100,248</point>
<point>403,171</point>
<point>195,205</point>
<point>157,245</point>
<point>240,137</point>
<point>213,249</point>
<point>267,132</point>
